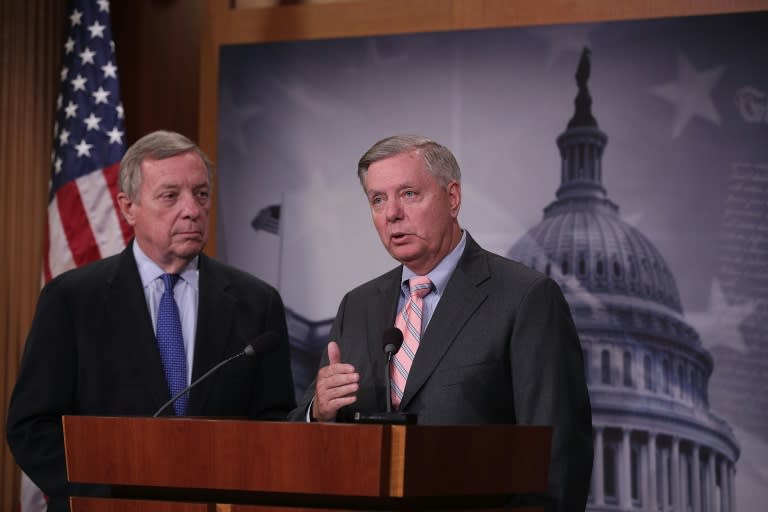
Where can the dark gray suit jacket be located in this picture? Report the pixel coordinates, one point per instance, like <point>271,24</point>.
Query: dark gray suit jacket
<point>92,351</point>
<point>501,347</point>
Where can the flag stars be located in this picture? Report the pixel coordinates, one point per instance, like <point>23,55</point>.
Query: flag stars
<point>84,149</point>
<point>76,17</point>
<point>64,73</point>
<point>120,112</point>
<point>110,70</point>
<point>97,29</point>
<point>100,96</point>
<point>69,46</point>
<point>92,122</point>
<point>115,136</point>
<point>63,137</point>
<point>70,110</point>
<point>78,84</point>
<point>103,5</point>
<point>59,101</point>
<point>57,165</point>
<point>87,56</point>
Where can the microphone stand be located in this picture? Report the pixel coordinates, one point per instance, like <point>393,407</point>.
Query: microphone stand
<point>389,417</point>
<point>249,351</point>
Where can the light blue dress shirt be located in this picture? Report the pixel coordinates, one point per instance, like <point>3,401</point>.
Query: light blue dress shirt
<point>440,275</point>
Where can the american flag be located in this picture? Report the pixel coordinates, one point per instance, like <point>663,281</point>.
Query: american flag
<point>268,219</point>
<point>84,222</point>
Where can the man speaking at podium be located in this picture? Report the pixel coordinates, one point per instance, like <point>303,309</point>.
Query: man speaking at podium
<point>122,335</point>
<point>486,340</point>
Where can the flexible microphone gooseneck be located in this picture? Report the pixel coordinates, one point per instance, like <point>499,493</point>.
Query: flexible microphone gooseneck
<point>392,340</point>
<point>262,343</point>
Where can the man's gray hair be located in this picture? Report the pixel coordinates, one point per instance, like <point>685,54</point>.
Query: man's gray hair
<point>156,146</point>
<point>439,160</point>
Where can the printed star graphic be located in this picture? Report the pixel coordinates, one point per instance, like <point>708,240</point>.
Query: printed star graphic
<point>719,324</point>
<point>97,29</point>
<point>84,149</point>
<point>690,94</point>
<point>103,5</point>
<point>92,122</point>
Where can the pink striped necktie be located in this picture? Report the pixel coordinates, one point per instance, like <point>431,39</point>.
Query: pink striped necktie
<point>409,322</point>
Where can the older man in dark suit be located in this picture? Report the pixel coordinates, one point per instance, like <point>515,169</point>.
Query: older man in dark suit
<point>487,340</point>
<point>120,336</point>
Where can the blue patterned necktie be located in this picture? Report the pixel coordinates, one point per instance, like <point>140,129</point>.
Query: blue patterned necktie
<point>170,341</point>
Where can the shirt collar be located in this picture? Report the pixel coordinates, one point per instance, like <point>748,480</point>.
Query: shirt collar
<point>150,271</point>
<point>442,272</point>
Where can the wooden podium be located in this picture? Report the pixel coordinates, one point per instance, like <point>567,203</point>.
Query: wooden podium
<point>186,465</point>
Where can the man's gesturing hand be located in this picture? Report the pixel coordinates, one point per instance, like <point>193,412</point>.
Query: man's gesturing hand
<point>336,386</point>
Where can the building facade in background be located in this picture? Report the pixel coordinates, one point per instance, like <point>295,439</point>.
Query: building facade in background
<point>658,446</point>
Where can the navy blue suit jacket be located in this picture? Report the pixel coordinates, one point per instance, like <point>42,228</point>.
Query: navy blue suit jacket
<point>92,351</point>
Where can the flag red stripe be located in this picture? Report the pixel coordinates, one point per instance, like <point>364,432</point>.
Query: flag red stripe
<point>76,226</point>
<point>46,253</point>
<point>111,175</point>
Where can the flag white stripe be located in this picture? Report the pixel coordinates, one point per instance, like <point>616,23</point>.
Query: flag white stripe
<point>100,208</point>
<point>31,499</point>
<point>60,257</point>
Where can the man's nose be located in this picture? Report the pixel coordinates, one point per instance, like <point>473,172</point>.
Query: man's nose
<point>190,208</point>
<point>393,210</point>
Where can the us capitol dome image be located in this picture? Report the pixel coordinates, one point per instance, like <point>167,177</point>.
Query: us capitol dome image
<point>658,446</point>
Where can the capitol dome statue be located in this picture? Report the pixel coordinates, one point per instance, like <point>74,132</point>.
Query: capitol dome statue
<point>657,444</point>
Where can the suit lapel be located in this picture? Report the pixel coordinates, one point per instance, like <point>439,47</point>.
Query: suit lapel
<point>214,319</point>
<point>126,309</point>
<point>381,315</point>
<point>459,302</point>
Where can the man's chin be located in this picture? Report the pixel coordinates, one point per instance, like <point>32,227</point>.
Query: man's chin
<point>404,254</point>
<point>190,248</point>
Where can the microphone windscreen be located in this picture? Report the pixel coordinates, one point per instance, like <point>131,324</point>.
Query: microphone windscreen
<point>262,343</point>
<point>391,339</point>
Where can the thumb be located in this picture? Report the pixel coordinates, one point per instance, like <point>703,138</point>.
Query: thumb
<point>334,353</point>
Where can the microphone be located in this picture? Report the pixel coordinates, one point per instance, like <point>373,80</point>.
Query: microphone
<point>392,340</point>
<point>262,343</point>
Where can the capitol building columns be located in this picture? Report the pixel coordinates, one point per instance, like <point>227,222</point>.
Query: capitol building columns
<point>598,477</point>
<point>675,474</point>
<point>651,503</point>
<point>696,477</point>
<point>625,471</point>
<point>638,469</point>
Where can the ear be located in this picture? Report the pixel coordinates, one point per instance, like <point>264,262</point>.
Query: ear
<point>454,197</point>
<point>127,207</point>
